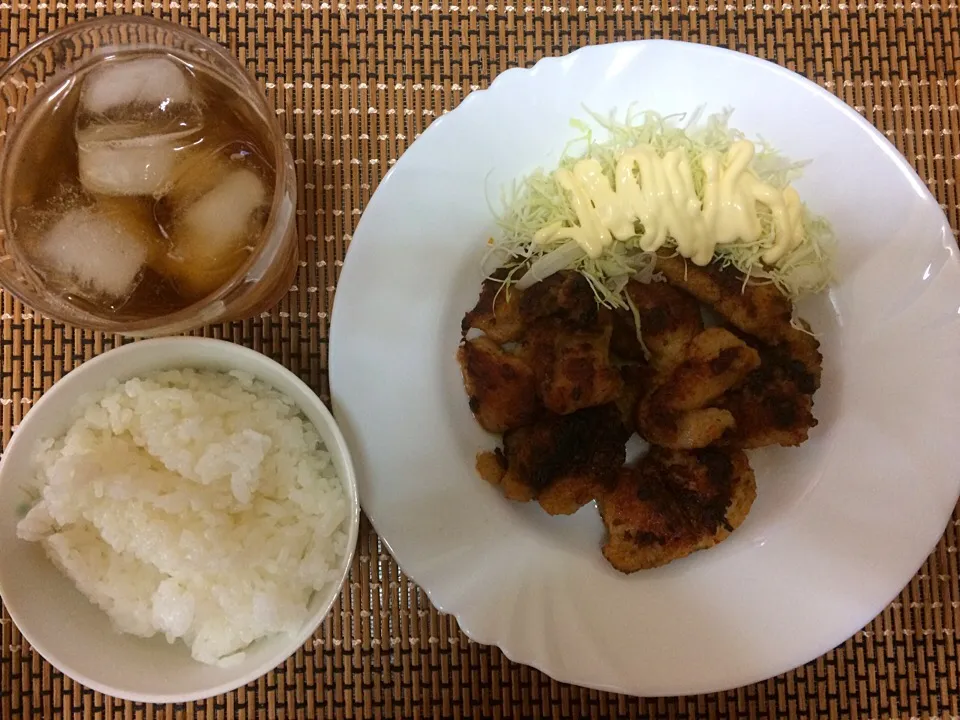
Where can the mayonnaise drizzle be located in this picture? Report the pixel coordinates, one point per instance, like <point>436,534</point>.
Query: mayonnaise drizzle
<point>658,192</point>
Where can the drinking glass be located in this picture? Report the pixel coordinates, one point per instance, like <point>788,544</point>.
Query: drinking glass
<point>263,278</point>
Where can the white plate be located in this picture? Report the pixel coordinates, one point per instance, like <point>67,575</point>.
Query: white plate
<point>841,523</point>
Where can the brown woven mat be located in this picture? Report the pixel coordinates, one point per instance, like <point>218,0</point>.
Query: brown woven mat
<point>354,83</point>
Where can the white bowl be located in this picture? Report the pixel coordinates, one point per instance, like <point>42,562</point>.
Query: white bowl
<point>77,637</point>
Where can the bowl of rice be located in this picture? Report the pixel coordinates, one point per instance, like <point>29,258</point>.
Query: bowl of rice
<point>177,518</point>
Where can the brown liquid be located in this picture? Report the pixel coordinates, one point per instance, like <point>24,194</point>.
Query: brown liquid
<point>43,183</point>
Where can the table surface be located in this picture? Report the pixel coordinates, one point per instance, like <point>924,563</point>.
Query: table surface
<point>354,83</point>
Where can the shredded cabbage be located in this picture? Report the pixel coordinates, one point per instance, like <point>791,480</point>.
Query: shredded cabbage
<point>538,200</point>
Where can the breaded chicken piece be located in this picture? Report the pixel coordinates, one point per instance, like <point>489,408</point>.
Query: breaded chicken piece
<point>675,413</point>
<point>497,313</point>
<point>637,378</point>
<point>774,404</point>
<point>501,387</point>
<point>686,430</point>
<point>582,374</point>
<point>492,467</point>
<point>573,366</point>
<point>673,504</point>
<point>565,296</point>
<point>562,461</point>
<point>757,309</point>
<point>625,343</point>
<point>714,361</point>
<point>567,343</point>
<point>669,319</point>
<point>804,348</point>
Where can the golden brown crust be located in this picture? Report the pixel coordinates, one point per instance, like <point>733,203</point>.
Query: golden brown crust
<point>581,379</point>
<point>674,504</point>
<point>713,362</point>
<point>565,458</point>
<point>491,466</point>
<point>496,314</point>
<point>685,430</point>
<point>582,375</point>
<point>677,412</point>
<point>773,405</point>
<point>669,319</point>
<point>573,366</point>
<point>757,309</point>
<point>501,387</point>
<point>568,494</point>
<point>565,296</point>
<point>805,349</point>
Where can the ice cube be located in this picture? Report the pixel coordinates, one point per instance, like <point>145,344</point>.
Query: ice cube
<point>136,99</point>
<point>144,81</point>
<point>94,255</point>
<point>141,166</point>
<point>210,238</point>
<point>134,117</point>
<point>222,216</point>
<point>136,216</point>
<point>199,170</point>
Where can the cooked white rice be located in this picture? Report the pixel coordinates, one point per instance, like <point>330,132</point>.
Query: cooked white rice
<point>199,505</point>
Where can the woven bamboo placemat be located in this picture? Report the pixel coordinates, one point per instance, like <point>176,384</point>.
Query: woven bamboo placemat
<point>354,84</point>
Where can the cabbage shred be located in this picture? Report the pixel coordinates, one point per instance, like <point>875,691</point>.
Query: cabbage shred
<point>538,200</point>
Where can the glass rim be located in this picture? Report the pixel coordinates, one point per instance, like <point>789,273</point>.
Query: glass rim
<point>187,317</point>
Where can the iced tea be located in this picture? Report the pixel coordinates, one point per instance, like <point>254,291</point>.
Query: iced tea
<point>140,186</point>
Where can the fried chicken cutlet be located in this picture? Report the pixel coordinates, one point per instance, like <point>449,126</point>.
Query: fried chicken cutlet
<point>567,344</point>
<point>501,387</point>
<point>773,405</point>
<point>572,366</point>
<point>497,312</point>
<point>669,320</point>
<point>565,296</point>
<point>757,309</point>
<point>673,504</point>
<point>712,362</point>
<point>679,410</point>
<point>564,363</point>
<point>580,378</point>
<point>562,461</point>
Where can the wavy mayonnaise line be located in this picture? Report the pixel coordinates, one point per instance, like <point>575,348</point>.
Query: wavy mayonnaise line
<point>659,192</point>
